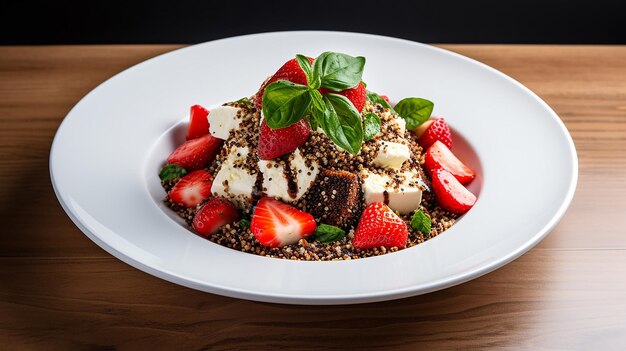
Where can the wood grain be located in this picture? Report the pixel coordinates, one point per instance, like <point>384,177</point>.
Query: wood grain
<point>58,290</point>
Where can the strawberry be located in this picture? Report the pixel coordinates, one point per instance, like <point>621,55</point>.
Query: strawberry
<point>213,214</point>
<point>439,130</point>
<point>439,156</point>
<point>451,195</point>
<point>281,141</point>
<point>198,122</point>
<point>419,131</point>
<point>192,189</point>
<point>356,95</point>
<point>384,97</point>
<point>380,226</point>
<point>290,71</point>
<point>277,224</point>
<point>196,153</point>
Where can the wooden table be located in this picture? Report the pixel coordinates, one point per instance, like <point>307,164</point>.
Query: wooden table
<point>58,290</point>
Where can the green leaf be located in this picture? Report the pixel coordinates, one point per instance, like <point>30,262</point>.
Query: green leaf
<point>371,126</point>
<point>338,71</point>
<point>415,111</point>
<point>244,223</point>
<point>421,222</point>
<point>341,122</point>
<point>317,100</point>
<point>171,171</point>
<point>245,101</point>
<point>376,99</point>
<point>305,64</point>
<point>285,103</point>
<point>325,233</point>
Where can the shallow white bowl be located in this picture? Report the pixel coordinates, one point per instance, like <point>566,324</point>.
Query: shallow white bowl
<point>106,155</point>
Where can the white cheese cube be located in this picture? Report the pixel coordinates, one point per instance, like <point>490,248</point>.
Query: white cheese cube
<point>222,120</point>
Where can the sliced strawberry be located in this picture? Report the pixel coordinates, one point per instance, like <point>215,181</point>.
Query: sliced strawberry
<point>451,195</point>
<point>196,153</point>
<point>439,156</point>
<point>356,95</point>
<point>198,122</point>
<point>213,214</point>
<point>419,131</point>
<point>192,189</point>
<point>281,141</point>
<point>439,130</point>
<point>277,224</point>
<point>380,226</point>
<point>384,97</point>
<point>290,71</point>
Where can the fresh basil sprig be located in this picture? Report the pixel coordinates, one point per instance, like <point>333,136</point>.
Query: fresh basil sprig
<point>415,111</point>
<point>371,126</point>
<point>325,233</point>
<point>285,103</point>
<point>171,171</point>
<point>376,99</point>
<point>421,222</point>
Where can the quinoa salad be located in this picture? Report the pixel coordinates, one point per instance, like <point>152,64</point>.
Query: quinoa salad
<point>315,166</point>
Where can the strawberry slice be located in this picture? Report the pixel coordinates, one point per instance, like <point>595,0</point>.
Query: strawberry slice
<point>281,141</point>
<point>213,214</point>
<point>290,71</point>
<point>198,122</point>
<point>439,156</point>
<point>192,189</point>
<point>438,130</point>
<point>451,195</point>
<point>196,153</point>
<point>380,226</point>
<point>277,224</point>
<point>356,95</point>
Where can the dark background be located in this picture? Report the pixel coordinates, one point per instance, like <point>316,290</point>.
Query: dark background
<point>159,21</point>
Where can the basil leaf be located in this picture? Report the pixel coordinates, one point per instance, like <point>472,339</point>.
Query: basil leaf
<point>342,123</point>
<point>371,126</point>
<point>305,64</point>
<point>421,222</point>
<point>244,223</point>
<point>376,99</point>
<point>317,100</point>
<point>415,111</point>
<point>245,101</point>
<point>285,103</point>
<point>171,171</point>
<point>338,71</point>
<point>325,233</point>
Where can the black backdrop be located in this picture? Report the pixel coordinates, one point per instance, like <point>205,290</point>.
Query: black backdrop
<point>159,21</point>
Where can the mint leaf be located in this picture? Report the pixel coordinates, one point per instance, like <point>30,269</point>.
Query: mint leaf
<point>338,71</point>
<point>341,122</point>
<point>376,99</point>
<point>421,222</point>
<point>371,126</point>
<point>325,233</point>
<point>170,171</point>
<point>305,64</point>
<point>415,111</point>
<point>285,103</point>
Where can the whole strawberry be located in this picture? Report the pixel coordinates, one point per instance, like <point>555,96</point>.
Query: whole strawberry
<point>356,95</point>
<point>380,226</point>
<point>290,71</point>
<point>438,130</point>
<point>213,214</point>
<point>277,142</point>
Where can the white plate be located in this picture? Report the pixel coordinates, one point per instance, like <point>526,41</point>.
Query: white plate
<point>107,152</point>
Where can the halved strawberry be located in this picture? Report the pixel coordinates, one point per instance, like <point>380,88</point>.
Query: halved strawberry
<point>277,224</point>
<point>380,226</point>
<point>439,156</point>
<point>385,97</point>
<point>281,141</point>
<point>196,153</point>
<point>213,214</point>
<point>356,95</point>
<point>192,188</point>
<point>451,195</point>
<point>438,130</point>
<point>290,71</point>
<point>198,122</point>
<point>419,131</point>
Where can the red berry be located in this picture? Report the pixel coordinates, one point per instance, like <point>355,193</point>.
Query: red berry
<point>384,97</point>
<point>213,214</point>
<point>290,71</point>
<point>439,156</point>
<point>439,130</point>
<point>451,195</point>
<point>192,189</point>
<point>380,226</point>
<point>196,153</point>
<point>356,95</point>
<point>277,142</point>
<point>198,122</point>
<point>277,224</point>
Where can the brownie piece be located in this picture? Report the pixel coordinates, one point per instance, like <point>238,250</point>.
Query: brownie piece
<point>335,198</point>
